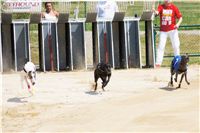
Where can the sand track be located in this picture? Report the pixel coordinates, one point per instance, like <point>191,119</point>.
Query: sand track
<point>134,100</point>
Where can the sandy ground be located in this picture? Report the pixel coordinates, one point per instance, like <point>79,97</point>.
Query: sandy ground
<point>135,100</point>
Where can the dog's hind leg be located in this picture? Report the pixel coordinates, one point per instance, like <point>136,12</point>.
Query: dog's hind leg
<point>186,78</point>
<point>179,86</point>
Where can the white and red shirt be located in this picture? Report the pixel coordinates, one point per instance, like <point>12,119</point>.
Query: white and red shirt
<point>168,16</point>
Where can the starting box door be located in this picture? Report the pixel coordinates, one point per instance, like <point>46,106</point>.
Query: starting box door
<point>48,46</point>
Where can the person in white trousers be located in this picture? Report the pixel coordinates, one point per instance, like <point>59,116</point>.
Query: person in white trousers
<point>168,27</point>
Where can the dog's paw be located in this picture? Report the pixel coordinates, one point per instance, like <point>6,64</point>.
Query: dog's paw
<point>170,85</point>
<point>32,92</point>
<point>188,83</point>
<point>179,86</point>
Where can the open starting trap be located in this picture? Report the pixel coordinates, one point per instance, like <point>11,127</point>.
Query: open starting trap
<point>15,43</point>
<point>61,43</point>
<point>117,43</point>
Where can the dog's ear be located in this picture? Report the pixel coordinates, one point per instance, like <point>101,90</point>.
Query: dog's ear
<point>98,66</point>
<point>108,67</point>
<point>187,57</point>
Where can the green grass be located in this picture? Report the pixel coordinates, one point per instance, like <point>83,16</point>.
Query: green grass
<point>34,44</point>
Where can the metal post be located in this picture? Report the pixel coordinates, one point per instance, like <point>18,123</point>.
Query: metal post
<point>126,43</point>
<point>98,43</point>
<point>1,59</point>
<point>50,47</point>
<point>140,55</point>
<point>85,48</point>
<point>112,46</point>
<point>149,42</point>
<point>71,49</point>
<point>25,42</point>
<point>146,44</point>
<point>29,44</point>
<point>57,49</point>
<point>155,33</point>
<point>43,53</point>
<point>15,49</point>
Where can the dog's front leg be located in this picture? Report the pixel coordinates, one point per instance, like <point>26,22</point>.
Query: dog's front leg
<point>179,86</point>
<point>28,85</point>
<point>186,78</point>
<point>95,87</point>
<point>95,80</point>
<point>171,82</point>
<point>107,80</point>
<point>103,82</point>
<point>176,76</point>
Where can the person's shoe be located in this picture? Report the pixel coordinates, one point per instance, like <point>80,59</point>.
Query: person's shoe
<point>157,65</point>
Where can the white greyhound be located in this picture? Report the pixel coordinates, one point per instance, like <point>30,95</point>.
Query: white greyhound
<point>29,76</point>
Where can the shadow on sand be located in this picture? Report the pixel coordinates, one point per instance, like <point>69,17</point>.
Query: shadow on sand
<point>91,93</point>
<point>18,100</point>
<point>167,88</point>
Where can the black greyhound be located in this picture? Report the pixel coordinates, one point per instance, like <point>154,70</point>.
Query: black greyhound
<point>102,71</point>
<point>179,66</point>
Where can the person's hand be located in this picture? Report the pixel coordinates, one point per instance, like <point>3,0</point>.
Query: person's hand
<point>176,26</point>
<point>154,11</point>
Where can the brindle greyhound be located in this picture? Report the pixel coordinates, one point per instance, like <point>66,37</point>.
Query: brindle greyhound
<point>102,71</point>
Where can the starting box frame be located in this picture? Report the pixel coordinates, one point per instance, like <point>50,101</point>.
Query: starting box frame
<point>1,59</point>
<point>48,46</point>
